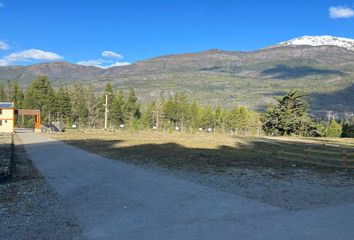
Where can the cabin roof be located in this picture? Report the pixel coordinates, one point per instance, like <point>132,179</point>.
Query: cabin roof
<point>4,105</point>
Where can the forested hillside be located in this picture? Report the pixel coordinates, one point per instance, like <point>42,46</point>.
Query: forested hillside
<point>216,77</point>
<point>78,106</point>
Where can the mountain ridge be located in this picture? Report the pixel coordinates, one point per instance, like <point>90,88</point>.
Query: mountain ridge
<point>219,77</point>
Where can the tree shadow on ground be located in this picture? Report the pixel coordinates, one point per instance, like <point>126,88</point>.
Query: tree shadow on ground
<point>259,153</point>
<point>286,72</point>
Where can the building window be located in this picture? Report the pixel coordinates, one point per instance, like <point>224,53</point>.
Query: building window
<point>5,121</point>
<point>0,122</point>
<point>0,111</point>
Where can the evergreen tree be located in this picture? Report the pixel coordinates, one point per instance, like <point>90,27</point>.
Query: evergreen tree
<point>63,105</point>
<point>348,130</point>
<point>207,118</point>
<point>116,109</point>
<point>194,119</point>
<point>78,102</point>
<point>170,110</point>
<point>243,121</point>
<point>16,94</point>
<point>40,95</point>
<point>3,95</point>
<point>177,110</point>
<point>147,116</point>
<point>289,117</point>
<point>219,118</point>
<point>334,129</point>
<point>131,107</point>
<point>92,107</point>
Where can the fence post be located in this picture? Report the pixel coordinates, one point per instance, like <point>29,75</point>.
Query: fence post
<point>344,159</point>
<point>280,157</point>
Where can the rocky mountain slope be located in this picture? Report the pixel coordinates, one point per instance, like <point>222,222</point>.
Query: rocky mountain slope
<point>321,66</point>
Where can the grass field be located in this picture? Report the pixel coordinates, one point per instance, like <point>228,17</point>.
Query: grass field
<point>200,151</point>
<point>245,166</point>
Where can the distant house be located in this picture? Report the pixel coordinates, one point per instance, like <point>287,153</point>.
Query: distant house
<point>7,117</point>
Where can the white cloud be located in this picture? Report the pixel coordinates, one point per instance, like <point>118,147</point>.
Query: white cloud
<point>340,12</point>
<point>26,55</point>
<point>102,63</point>
<point>111,54</point>
<point>3,45</point>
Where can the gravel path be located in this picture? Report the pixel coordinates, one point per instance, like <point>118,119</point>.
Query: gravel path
<point>29,208</point>
<point>114,200</point>
<point>5,155</point>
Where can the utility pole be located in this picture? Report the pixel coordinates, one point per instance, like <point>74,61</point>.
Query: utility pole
<point>106,113</point>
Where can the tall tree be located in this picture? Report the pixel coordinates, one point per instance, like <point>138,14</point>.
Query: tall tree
<point>15,93</point>
<point>116,109</point>
<point>289,116</point>
<point>63,105</point>
<point>78,103</point>
<point>40,95</point>
<point>177,109</point>
<point>219,118</point>
<point>3,95</point>
<point>348,130</point>
<point>334,129</point>
<point>92,107</point>
<point>207,118</point>
<point>131,107</point>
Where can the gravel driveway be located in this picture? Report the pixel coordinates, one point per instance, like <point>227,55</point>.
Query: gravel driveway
<point>30,209</point>
<point>114,200</point>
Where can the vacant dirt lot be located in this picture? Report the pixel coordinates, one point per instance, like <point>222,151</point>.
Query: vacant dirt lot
<point>235,165</point>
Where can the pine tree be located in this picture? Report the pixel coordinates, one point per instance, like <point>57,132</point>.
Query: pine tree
<point>147,116</point>
<point>207,118</point>
<point>40,95</point>
<point>170,110</point>
<point>194,116</point>
<point>63,105</point>
<point>13,93</point>
<point>78,103</point>
<point>289,117</point>
<point>348,130</point>
<point>131,107</point>
<point>3,95</point>
<point>92,108</point>
<point>219,118</point>
<point>334,129</point>
<point>116,109</point>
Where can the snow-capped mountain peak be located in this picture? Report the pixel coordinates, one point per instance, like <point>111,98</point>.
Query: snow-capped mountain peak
<point>320,41</point>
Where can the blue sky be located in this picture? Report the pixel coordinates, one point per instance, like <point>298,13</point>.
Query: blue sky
<point>80,31</point>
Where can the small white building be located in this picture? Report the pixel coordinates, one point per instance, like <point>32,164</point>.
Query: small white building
<point>7,117</point>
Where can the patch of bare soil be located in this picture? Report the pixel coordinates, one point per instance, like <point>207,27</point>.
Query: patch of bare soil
<point>29,209</point>
<point>294,189</point>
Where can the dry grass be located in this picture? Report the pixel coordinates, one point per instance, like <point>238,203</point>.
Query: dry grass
<point>195,151</point>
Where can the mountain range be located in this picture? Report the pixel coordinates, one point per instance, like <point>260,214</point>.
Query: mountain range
<point>321,66</point>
